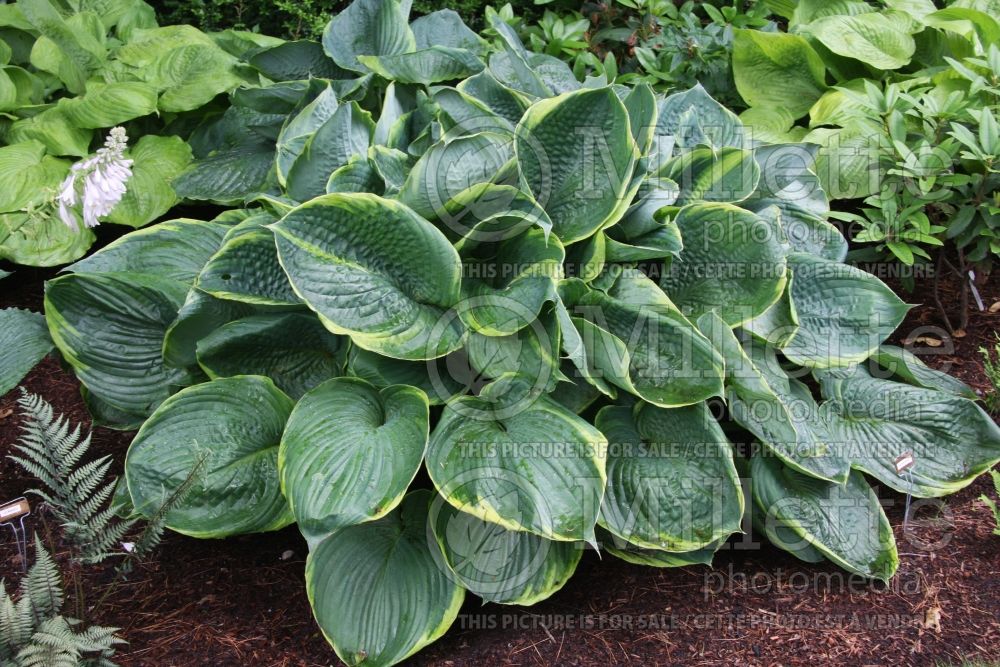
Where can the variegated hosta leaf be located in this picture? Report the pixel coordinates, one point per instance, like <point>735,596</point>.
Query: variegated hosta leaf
<point>672,484</point>
<point>576,155</point>
<point>779,323</point>
<point>220,439</point>
<point>531,353</point>
<point>875,420</point>
<point>349,452</point>
<point>778,410</point>
<point>637,555</point>
<point>433,64</point>
<point>441,379</point>
<point>497,564</point>
<point>246,267</point>
<point>294,350</point>
<point>844,313</point>
<point>110,327</point>
<point>692,118</point>
<point>377,589</point>
<point>669,362</point>
<point>200,315</point>
<point>346,134</point>
<point>176,249</point>
<point>533,466</point>
<point>713,175</point>
<point>376,271</point>
<point>732,262</point>
<point>448,169</point>
<point>368,27</point>
<point>844,522</point>
<point>300,127</point>
<point>907,367</point>
<point>505,284</point>
<point>25,341</point>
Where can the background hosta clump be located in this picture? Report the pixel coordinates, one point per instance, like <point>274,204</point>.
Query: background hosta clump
<point>473,316</point>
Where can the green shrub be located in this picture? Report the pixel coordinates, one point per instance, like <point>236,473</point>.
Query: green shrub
<point>582,309</point>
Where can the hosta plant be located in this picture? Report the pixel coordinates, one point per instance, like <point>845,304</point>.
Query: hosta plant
<point>473,317</point>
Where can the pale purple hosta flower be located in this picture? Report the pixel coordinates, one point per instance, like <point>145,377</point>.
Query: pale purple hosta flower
<point>97,182</point>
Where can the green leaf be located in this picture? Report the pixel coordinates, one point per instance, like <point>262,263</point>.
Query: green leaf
<point>669,362</point>
<point>441,379</point>
<point>368,27</point>
<point>293,349</point>
<point>844,522</point>
<point>52,128</point>
<point>500,565</point>
<point>777,70</point>
<point>873,38</point>
<point>109,104</point>
<point>671,483</point>
<point>693,118</point>
<point>29,176</point>
<point>176,250</point>
<point>41,240</point>
<point>445,28</point>
<point>110,327</point>
<point>636,555</point>
<point>294,61</point>
<point>200,315</point>
<point>346,134</point>
<point>246,267</point>
<point>349,453</point>
<point>157,161</point>
<point>427,66</point>
<point>25,341</point>
<point>491,459</point>
<point>81,52</point>
<point>844,313</point>
<point>907,367</point>
<point>714,175</point>
<point>376,271</point>
<point>224,435</point>
<point>732,262</point>
<point>397,598</point>
<point>952,439</point>
<point>576,154</point>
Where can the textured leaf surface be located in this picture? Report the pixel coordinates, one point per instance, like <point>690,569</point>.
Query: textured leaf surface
<point>25,341</point>
<point>777,70</point>
<point>224,436</point>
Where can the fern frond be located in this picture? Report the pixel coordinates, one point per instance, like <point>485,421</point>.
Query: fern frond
<point>53,645</point>
<point>43,585</point>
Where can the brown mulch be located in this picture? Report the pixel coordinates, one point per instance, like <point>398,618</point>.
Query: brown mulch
<point>242,601</point>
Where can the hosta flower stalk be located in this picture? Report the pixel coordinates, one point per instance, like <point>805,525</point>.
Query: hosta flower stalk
<point>95,185</point>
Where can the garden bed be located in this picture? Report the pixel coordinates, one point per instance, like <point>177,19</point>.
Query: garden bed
<point>241,601</point>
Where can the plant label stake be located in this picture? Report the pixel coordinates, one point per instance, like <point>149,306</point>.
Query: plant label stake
<point>975,292</point>
<point>17,510</point>
<point>904,465</point>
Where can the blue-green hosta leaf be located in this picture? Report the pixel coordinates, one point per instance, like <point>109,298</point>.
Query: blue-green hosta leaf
<point>108,104</point>
<point>779,323</point>
<point>358,175</point>
<point>157,161</point>
<point>873,38</point>
<point>29,175</point>
<point>693,118</point>
<point>25,340</point>
<point>292,61</point>
<point>641,105</point>
<point>378,591</point>
<point>672,484</point>
<point>631,553</point>
<point>715,175</point>
<point>42,240</point>
<point>368,27</point>
<point>176,249</point>
<point>430,65</point>
<point>907,367</point>
<point>777,70</point>
<point>844,313</point>
<point>223,436</point>
<point>441,379</point>
<point>246,268</point>
<point>293,349</point>
<point>844,522</point>
<point>952,439</point>
<point>346,134</point>
<point>505,284</point>
<point>376,271</point>
<point>534,466</point>
<point>532,354</point>
<point>669,362</point>
<point>778,410</point>
<point>502,100</point>
<point>733,262</point>
<point>461,115</point>
<point>350,451</point>
<point>576,154</point>
<point>449,168</point>
<point>299,128</point>
<point>497,564</point>
<point>788,182</point>
<point>489,213</point>
<point>445,28</point>
<point>109,327</point>
<point>200,315</point>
